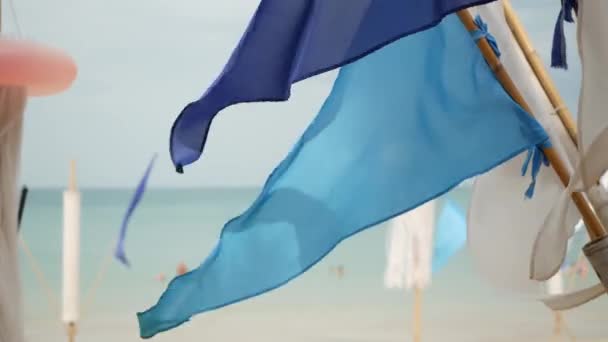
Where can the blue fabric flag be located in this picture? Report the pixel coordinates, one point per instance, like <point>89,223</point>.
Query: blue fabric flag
<point>289,41</point>
<point>22,199</point>
<point>450,235</point>
<point>401,126</point>
<point>119,252</point>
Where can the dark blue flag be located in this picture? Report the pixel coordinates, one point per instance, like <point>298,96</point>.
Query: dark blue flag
<point>119,252</point>
<point>290,40</point>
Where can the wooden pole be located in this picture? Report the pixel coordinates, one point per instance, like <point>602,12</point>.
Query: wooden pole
<point>72,184</point>
<point>540,71</point>
<point>593,224</point>
<point>417,319</point>
<point>560,328</point>
<point>71,332</point>
<point>557,323</point>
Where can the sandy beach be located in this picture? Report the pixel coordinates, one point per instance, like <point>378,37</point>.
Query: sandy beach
<point>459,306</point>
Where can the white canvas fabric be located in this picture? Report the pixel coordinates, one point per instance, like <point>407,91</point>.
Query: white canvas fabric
<point>12,104</point>
<point>555,285</point>
<point>571,300</point>
<point>502,223</point>
<point>592,30</point>
<point>410,248</point>
<point>71,256</point>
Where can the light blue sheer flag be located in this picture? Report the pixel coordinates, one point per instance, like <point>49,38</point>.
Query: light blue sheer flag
<point>401,126</point>
<point>119,251</point>
<point>575,246</point>
<point>450,235</point>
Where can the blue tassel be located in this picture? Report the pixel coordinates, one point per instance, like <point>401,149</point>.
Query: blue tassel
<point>558,50</point>
<point>538,158</point>
<point>482,32</point>
<point>524,167</point>
<point>569,6</point>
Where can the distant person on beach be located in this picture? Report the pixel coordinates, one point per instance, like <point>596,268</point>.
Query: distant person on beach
<point>161,277</point>
<point>581,267</point>
<point>181,269</point>
<point>338,270</point>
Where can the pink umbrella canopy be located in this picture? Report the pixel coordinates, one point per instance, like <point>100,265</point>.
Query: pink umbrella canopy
<point>40,69</point>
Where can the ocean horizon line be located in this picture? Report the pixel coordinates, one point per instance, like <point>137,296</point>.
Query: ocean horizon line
<point>465,184</point>
<point>149,188</point>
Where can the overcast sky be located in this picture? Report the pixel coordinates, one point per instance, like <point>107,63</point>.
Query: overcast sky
<point>141,61</point>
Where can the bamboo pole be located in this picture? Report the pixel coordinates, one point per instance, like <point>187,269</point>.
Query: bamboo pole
<point>540,71</point>
<point>417,320</point>
<point>593,224</point>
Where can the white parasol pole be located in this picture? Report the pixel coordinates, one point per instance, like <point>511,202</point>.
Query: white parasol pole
<point>409,257</point>
<point>71,254</point>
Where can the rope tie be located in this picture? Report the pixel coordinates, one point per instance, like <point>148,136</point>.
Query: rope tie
<point>556,110</point>
<point>89,297</point>
<point>482,32</point>
<point>51,297</point>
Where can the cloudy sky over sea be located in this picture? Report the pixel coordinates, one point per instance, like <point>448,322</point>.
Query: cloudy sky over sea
<point>141,61</point>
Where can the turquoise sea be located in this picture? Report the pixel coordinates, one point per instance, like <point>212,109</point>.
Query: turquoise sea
<point>172,226</point>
